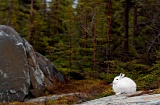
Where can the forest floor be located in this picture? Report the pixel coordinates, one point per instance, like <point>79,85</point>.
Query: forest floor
<point>88,89</point>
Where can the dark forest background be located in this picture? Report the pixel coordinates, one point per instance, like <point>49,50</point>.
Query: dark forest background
<point>96,39</point>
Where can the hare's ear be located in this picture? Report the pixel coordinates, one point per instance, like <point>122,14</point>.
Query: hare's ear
<point>122,75</point>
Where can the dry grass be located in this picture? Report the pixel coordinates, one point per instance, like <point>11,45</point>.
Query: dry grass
<point>69,100</point>
<point>87,89</point>
<point>90,89</point>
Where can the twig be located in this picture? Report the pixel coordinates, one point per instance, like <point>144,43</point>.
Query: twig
<point>153,42</point>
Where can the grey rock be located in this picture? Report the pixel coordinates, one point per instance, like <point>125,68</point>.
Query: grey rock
<point>122,99</point>
<point>48,69</point>
<point>145,99</point>
<point>22,70</point>
<point>14,69</point>
<point>37,76</point>
<point>49,98</point>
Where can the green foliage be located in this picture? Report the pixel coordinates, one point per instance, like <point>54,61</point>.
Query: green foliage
<point>133,66</point>
<point>108,77</point>
<point>146,81</point>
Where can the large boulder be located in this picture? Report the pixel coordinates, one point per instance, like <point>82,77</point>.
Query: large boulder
<point>143,99</point>
<point>22,70</point>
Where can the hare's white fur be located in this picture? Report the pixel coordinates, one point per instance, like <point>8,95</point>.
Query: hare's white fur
<point>123,84</point>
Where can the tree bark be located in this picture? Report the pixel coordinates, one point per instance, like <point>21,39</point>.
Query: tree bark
<point>126,26</point>
<point>70,41</point>
<point>10,13</point>
<point>108,52</point>
<point>44,9</point>
<point>31,23</point>
<point>135,22</point>
<point>54,20</point>
<point>86,33</point>
<point>95,44</point>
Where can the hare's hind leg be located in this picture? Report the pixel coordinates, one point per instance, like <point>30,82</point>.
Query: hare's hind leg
<point>118,93</point>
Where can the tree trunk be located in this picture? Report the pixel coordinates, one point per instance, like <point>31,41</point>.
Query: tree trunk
<point>126,27</point>
<point>135,22</point>
<point>86,34</point>
<point>10,13</point>
<point>31,24</point>
<point>44,9</point>
<point>70,41</point>
<point>54,20</point>
<point>95,44</point>
<point>108,53</point>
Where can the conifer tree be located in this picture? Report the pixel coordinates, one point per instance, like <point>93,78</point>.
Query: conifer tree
<point>60,29</point>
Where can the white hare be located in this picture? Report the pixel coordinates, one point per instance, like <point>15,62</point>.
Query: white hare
<point>123,84</point>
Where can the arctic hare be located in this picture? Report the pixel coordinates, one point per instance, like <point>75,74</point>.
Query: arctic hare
<point>123,84</point>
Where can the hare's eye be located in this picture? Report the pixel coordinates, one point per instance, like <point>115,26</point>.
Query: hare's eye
<point>116,79</point>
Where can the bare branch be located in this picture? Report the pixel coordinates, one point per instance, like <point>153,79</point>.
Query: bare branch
<point>151,45</point>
